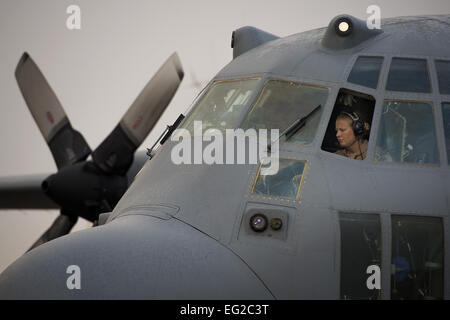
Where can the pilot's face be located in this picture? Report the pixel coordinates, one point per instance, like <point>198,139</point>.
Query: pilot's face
<point>344,132</point>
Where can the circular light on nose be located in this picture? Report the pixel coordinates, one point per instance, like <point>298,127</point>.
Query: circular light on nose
<point>258,222</point>
<point>343,26</point>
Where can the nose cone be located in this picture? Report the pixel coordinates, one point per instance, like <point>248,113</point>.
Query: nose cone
<point>133,257</point>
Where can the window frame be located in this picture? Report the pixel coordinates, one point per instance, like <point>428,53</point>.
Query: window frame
<point>379,79</point>
<point>409,164</point>
<point>443,227</point>
<point>428,70</point>
<point>301,82</point>
<point>297,197</point>
<point>438,84</point>
<point>446,152</point>
<point>208,87</point>
<point>383,247</point>
<point>367,93</point>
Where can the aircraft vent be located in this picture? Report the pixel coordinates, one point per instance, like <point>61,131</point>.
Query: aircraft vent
<point>247,38</point>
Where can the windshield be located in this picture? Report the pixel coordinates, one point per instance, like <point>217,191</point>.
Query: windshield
<point>222,106</point>
<point>282,102</point>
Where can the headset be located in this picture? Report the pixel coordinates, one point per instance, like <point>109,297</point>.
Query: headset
<point>357,124</point>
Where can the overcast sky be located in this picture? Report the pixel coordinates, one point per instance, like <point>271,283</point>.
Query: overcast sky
<point>98,71</point>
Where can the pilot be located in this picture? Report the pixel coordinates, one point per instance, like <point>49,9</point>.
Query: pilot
<point>350,133</point>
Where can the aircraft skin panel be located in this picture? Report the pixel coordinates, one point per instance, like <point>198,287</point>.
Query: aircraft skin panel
<point>370,188</point>
<point>134,257</point>
<point>303,55</point>
<point>331,184</point>
<point>311,223</point>
<point>290,267</point>
<point>197,189</point>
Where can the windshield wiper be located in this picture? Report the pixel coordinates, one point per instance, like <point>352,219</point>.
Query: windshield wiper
<point>166,134</point>
<point>294,127</point>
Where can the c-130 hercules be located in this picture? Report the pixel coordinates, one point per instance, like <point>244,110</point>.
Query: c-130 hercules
<point>324,227</point>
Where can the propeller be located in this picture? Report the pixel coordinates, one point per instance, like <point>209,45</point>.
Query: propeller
<point>80,187</point>
<point>60,227</point>
<point>115,153</point>
<point>66,144</point>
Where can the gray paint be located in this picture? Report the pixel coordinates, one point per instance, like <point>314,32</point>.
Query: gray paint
<point>159,253</point>
<point>361,33</point>
<point>247,38</point>
<point>155,252</point>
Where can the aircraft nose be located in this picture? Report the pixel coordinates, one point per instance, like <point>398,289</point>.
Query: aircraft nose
<point>132,257</point>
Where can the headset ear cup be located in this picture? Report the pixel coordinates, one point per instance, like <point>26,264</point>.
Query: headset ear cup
<point>358,128</point>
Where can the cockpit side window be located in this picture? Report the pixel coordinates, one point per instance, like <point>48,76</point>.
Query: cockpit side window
<point>348,131</point>
<point>443,73</point>
<point>286,183</point>
<point>407,133</point>
<point>281,103</point>
<point>446,116</point>
<point>417,258</point>
<point>360,253</point>
<point>410,75</point>
<point>222,106</point>
<point>366,71</point>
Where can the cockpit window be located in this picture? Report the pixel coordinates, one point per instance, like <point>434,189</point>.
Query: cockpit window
<point>443,73</point>
<point>286,183</point>
<point>222,106</point>
<point>348,132</point>
<point>446,116</point>
<point>360,255</point>
<point>366,71</point>
<point>417,258</point>
<point>410,75</point>
<point>407,133</point>
<point>281,103</point>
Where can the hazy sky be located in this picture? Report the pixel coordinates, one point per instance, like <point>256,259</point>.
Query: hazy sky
<point>98,71</point>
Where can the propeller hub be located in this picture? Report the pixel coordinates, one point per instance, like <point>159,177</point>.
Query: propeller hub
<point>85,189</point>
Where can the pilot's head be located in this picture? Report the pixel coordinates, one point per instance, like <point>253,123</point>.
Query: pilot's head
<point>349,128</point>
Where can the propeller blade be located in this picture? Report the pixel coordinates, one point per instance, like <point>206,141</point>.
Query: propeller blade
<point>60,227</point>
<point>115,153</point>
<point>24,192</point>
<point>66,144</point>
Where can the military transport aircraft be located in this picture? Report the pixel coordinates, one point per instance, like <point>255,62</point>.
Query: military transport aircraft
<point>325,226</point>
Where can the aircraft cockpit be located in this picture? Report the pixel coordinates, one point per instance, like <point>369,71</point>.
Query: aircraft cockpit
<point>406,126</point>
<point>223,104</point>
<point>228,105</point>
<point>404,106</point>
